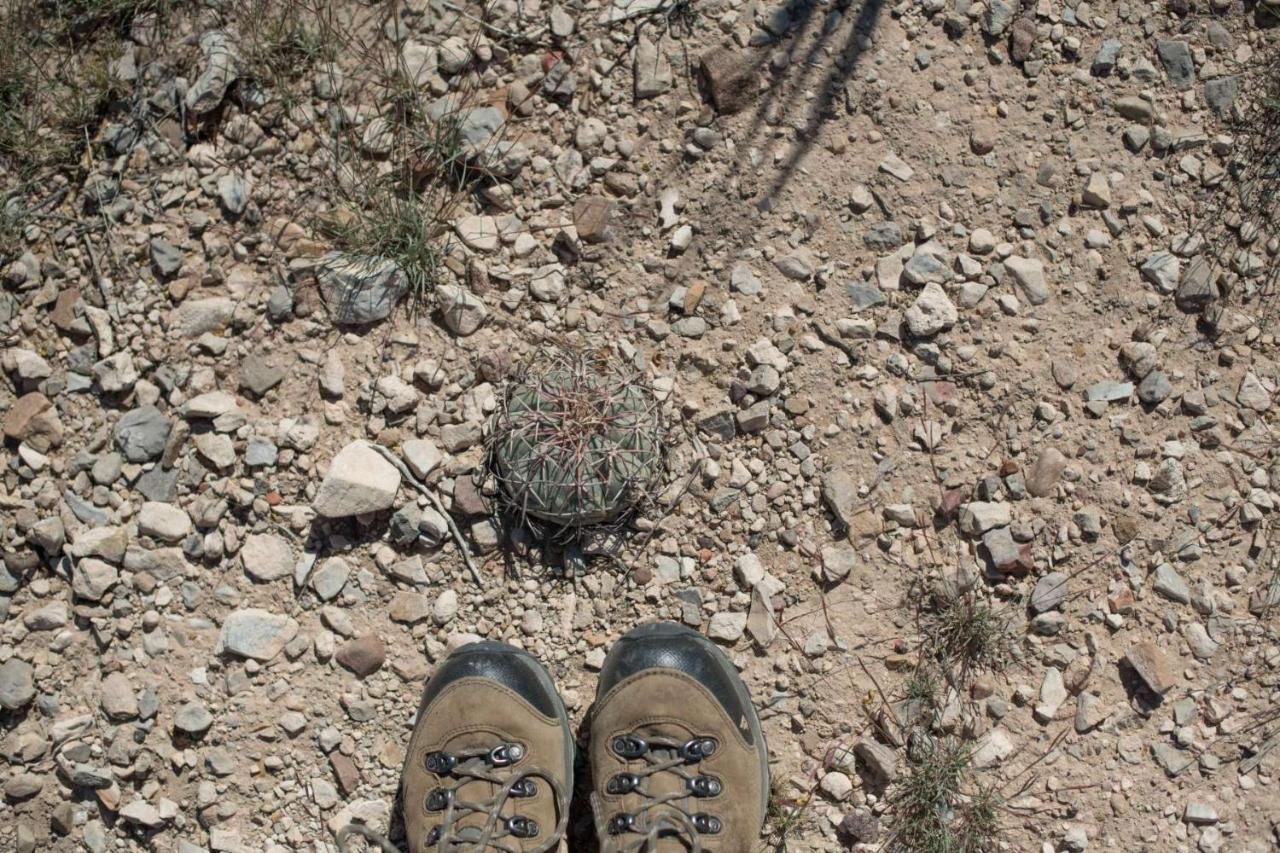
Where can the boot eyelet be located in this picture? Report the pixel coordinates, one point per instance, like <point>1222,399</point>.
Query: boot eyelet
<point>524,787</point>
<point>433,836</point>
<point>621,823</point>
<point>440,763</point>
<point>505,754</point>
<point>706,824</point>
<point>698,748</point>
<point>630,746</point>
<point>623,783</point>
<point>439,799</point>
<point>522,827</point>
<point>704,786</point>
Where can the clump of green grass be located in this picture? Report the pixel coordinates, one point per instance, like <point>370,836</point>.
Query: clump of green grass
<point>393,222</point>
<point>282,42</point>
<point>932,810</point>
<point>965,633</point>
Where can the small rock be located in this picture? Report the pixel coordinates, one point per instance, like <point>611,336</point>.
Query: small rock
<point>931,313</point>
<point>359,481</point>
<point>192,718</point>
<point>360,289</point>
<point>267,557</point>
<point>727,627</point>
<point>463,311</point>
<point>1050,592</point>
<point>257,634</point>
<point>1152,666</point>
<point>363,656</point>
<point>729,78</point>
<point>17,684</point>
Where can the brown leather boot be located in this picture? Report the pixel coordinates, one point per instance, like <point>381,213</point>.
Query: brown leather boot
<point>678,758</point>
<point>490,762</point>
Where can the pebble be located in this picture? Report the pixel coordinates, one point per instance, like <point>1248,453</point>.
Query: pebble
<point>363,655</point>
<point>359,481</point>
<point>257,634</point>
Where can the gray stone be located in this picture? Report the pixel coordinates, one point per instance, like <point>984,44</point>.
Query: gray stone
<point>421,455</point>
<point>838,560</point>
<point>267,557</point>
<point>1135,108</point>
<point>977,517</point>
<point>91,579</point>
<point>159,484</point>
<point>1170,584</point>
<point>1175,56</point>
<point>192,718</point>
<point>165,257</point>
<point>653,74</point>
<point>1104,61</point>
<point>1050,592</point>
<point>840,494</point>
<point>931,313</point>
<point>880,761</point>
<point>1203,647</point>
<point>1252,394</point>
<point>329,579</point>
<point>360,289</point>
<point>1198,286</point>
<point>1164,270</point>
<point>924,268</point>
<point>17,684</point>
<point>883,237</point>
<point>233,193</point>
<point>196,317</point>
<point>463,312</point>
<point>997,17</point>
<point>1154,388</point>
<point>221,68</point>
<point>257,634</point>
<point>258,376</point>
<point>1028,275</point>
<point>727,627</point>
<point>163,521</point>
<point>260,452</point>
<point>1171,759</point>
<point>1220,93</point>
<point>359,481</point>
<point>864,295</point>
<point>141,433</point>
<point>1109,391</point>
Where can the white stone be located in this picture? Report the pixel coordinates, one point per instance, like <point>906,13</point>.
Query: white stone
<point>359,481</point>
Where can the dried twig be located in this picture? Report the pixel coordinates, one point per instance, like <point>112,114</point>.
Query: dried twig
<point>435,502</point>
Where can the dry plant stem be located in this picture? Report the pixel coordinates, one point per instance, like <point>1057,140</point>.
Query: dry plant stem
<point>439,507</point>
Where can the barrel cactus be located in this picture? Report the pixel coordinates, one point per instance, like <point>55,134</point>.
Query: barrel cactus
<point>576,441</point>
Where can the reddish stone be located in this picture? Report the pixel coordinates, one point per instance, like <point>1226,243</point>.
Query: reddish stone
<point>344,770</point>
<point>363,655</point>
<point>729,77</point>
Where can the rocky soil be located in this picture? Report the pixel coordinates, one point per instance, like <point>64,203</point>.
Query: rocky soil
<point>919,286</point>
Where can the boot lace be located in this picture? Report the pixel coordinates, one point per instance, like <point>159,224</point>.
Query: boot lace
<point>665,815</point>
<point>498,833</point>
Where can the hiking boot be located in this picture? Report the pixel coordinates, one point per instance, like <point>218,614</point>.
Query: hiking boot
<point>678,758</point>
<point>490,761</point>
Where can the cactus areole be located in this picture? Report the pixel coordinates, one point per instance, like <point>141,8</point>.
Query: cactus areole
<point>577,443</point>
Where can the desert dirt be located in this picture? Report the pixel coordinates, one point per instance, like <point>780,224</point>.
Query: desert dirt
<point>922,290</point>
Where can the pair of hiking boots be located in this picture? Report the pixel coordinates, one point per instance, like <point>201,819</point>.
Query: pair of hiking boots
<point>677,756</point>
